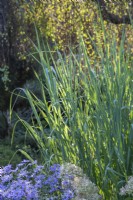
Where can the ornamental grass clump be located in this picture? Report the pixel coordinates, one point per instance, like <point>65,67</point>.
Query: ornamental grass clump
<point>73,177</point>
<point>128,188</point>
<point>84,114</point>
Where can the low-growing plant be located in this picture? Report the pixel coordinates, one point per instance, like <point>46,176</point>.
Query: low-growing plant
<point>4,75</point>
<point>28,181</point>
<point>127,190</point>
<point>36,182</point>
<point>73,177</point>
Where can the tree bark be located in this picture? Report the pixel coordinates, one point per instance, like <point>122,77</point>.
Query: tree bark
<point>2,16</point>
<point>3,30</point>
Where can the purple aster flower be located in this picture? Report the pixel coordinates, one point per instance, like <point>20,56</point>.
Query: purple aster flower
<point>7,169</point>
<point>29,182</point>
<point>6,178</point>
<point>23,163</point>
<point>38,169</point>
<point>68,194</point>
<point>55,167</point>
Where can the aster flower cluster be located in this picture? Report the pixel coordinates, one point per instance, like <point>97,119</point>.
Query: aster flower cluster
<point>128,188</point>
<point>28,182</point>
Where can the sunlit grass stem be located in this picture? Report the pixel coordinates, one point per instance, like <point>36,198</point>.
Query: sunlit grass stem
<point>89,113</point>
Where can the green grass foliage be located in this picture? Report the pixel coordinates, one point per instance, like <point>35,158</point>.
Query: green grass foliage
<point>8,156</point>
<point>85,112</point>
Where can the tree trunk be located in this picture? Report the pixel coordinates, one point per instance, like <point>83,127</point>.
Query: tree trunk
<point>3,31</point>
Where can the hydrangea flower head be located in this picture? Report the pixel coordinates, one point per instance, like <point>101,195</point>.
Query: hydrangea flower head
<point>73,177</point>
<point>128,188</point>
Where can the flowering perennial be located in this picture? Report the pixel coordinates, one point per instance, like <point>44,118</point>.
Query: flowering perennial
<point>128,188</point>
<point>73,177</point>
<point>29,182</point>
